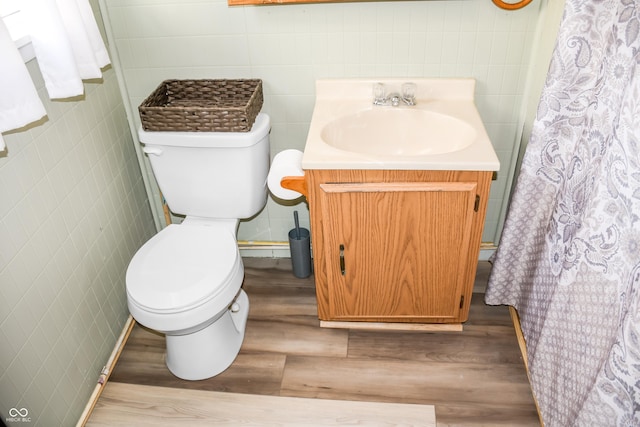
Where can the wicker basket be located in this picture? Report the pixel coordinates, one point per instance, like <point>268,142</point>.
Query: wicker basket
<point>202,106</point>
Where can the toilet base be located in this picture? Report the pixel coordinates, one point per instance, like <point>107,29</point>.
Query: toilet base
<point>211,350</point>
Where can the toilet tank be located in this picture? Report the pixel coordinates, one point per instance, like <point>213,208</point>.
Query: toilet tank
<point>211,174</point>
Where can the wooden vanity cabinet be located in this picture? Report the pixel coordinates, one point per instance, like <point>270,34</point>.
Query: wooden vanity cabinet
<point>396,246</point>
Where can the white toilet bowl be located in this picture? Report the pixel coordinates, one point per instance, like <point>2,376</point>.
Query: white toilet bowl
<point>185,282</point>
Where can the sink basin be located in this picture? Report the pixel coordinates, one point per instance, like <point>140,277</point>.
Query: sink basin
<point>442,131</point>
<point>392,131</point>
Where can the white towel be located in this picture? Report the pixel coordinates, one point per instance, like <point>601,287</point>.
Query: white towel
<point>19,101</point>
<point>95,38</point>
<point>65,38</point>
<point>80,43</point>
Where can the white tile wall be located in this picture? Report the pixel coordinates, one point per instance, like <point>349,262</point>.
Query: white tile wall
<point>73,210</point>
<point>290,46</point>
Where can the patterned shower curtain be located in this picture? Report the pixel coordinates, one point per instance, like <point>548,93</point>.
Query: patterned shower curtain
<point>569,256</point>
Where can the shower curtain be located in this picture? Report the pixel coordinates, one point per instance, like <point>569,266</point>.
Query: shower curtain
<point>569,256</point>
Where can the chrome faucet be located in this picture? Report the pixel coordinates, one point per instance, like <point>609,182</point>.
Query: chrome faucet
<point>408,96</point>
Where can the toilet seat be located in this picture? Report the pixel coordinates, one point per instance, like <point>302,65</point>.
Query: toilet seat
<point>182,267</point>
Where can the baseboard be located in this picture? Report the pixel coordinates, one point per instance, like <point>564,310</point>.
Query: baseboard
<point>106,371</point>
<point>515,318</point>
<point>383,326</point>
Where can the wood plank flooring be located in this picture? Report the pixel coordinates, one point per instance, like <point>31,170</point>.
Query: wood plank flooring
<point>129,404</point>
<point>473,378</point>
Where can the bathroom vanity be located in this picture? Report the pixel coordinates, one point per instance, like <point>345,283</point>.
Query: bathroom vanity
<point>396,246</point>
<point>397,197</point>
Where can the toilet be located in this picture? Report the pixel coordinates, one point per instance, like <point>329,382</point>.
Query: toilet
<point>185,282</point>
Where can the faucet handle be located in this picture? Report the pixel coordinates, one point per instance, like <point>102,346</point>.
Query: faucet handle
<point>409,93</point>
<point>379,94</point>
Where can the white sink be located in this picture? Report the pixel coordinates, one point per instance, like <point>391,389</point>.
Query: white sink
<point>393,131</point>
<point>443,131</point>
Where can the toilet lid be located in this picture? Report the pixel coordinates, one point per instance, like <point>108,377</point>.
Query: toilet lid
<point>182,266</point>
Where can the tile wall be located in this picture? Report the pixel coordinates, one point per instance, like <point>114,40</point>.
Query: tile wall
<point>73,210</point>
<point>73,206</point>
<point>291,46</point>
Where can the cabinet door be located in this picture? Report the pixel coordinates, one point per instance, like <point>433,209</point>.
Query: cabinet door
<point>396,251</point>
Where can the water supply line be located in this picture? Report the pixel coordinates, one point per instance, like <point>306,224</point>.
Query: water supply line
<point>165,209</point>
<point>262,244</point>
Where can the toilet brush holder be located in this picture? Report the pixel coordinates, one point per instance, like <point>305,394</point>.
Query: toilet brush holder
<point>300,246</point>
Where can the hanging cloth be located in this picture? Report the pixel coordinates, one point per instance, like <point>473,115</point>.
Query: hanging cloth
<point>67,44</point>
<point>569,255</point>
<point>19,101</point>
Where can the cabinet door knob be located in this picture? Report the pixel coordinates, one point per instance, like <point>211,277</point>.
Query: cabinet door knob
<point>342,259</point>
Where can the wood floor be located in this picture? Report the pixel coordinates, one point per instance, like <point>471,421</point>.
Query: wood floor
<point>150,406</point>
<point>473,378</point>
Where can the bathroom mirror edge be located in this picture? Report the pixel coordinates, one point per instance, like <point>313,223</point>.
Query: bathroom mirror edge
<point>285,2</point>
<point>503,5</point>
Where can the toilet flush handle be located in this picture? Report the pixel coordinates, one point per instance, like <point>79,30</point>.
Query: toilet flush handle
<point>152,150</point>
